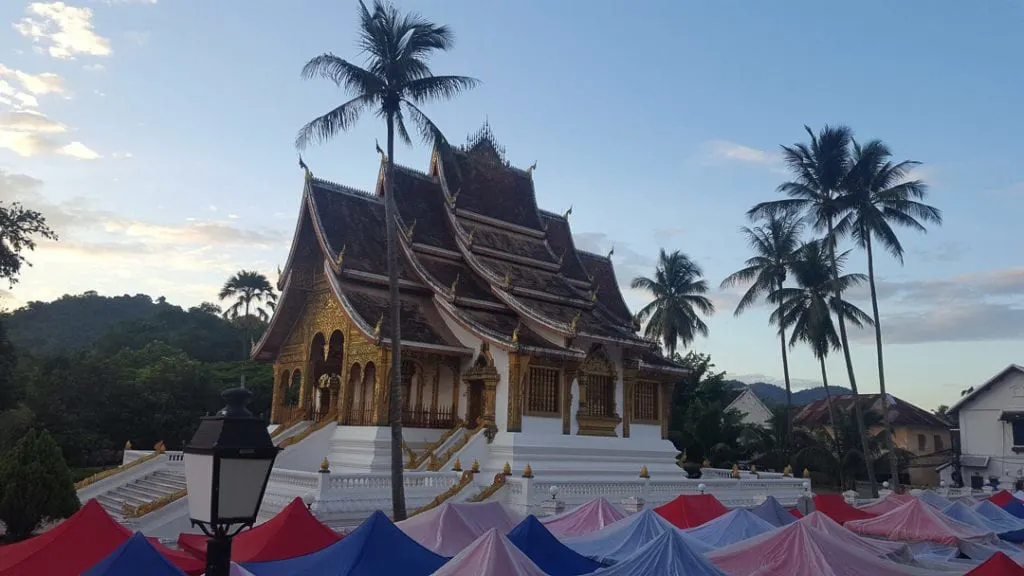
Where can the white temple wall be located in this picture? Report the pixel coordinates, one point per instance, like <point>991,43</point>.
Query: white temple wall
<point>574,407</point>
<point>501,393</point>
<point>542,425</point>
<point>444,392</point>
<point>645,431</point>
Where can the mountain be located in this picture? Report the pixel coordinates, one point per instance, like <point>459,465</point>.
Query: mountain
<point>775,394</point>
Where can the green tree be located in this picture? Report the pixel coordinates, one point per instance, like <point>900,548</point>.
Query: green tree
<point>809,307</point>
<point>774,243</point>
<point>679,289</point>
<point>395,81</point>
<point>941,410</point>
<point>250,291</point>
<point>820,171</point>
<point>19,227</point>
<point>699,424</point>
<point>879,194</point>
<point>35,485</point>
<point>10,388</point>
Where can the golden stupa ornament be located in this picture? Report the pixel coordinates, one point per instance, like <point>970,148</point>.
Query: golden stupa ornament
<point>325,466</point>
<point>735,471</point>
<point>644,473</point>
<point>475,467</point>
<point>515,334</point>
<point>341,256</point>
<point>528,471</point>
<point>507,469</point>
<point>457,466</point>
<point>787,471</point>
<point>377,329</point>
<point>807,473</point>
<point>706,463</point>
<point>753,468</point>
<point>128,445</point>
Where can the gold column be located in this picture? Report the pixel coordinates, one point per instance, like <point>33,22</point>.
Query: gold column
<point>456,386</point>
<point>665,389</point>
<point>518,368</point>
<point>570,371</point>
<point>382,390</point>
<point>277,400</point>
<point>630,369</point>
<point>490,391</point>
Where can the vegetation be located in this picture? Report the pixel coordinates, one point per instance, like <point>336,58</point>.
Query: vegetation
<point>19,228</point>
<point>679,289</point>
<point>699,424</point>
<point>251,291</point>
<point>395,81</point>
<point>35,486</point>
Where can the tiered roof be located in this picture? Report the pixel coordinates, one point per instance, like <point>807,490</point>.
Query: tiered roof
<point>475,247</point>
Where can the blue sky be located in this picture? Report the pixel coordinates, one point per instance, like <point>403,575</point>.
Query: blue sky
<point>157,136</point>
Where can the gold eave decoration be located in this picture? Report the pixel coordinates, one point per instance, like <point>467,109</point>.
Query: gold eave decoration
<point>593,294</point>
<point>412,228</point>
<point>454,198</point>
<point>567,212</point>
<point>341,256</point>
<point>574,323</point>
<point>454,286</point>
<point>515,334</point>
<point>508,280</point>
<point>469,239</point>
<point>377,329</point>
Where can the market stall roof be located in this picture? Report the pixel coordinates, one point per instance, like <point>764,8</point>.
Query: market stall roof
<point>619,540</point>
<point>548,552</point>
<point>136,556</point>
<point>998,564</point>
<point>691,510</point>
<point>917,522</point>
<point>583,519</point>
<point>667,555</point>
<point>490,555</point>
<point>774,513</point>
<point>730,528</point>
<point>452,526</point>
<point>836,508</point>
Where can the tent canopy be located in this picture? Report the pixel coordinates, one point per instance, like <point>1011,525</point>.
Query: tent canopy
<point>962,513</point>
<point>933,499</point>
<point>998,564</point>
<point>690,511</point>
<point>917,522</point>
<point>833,506</point>
<point>998,516</point>
<point>800,550</point>
<point>136,556</point>
<point>490,555</point>
<point>78,543</point>
<point>293,532</point>
<point>621,539</point>
<point>873,546</point>
<point>730,528</point>
<point>774,513</point>
<point>887,504</point>
<point>452,526</point>
<point>583,519</point>
<point>1014,507</point>
<point>376,548</point>
<point>666,555</point>
<point>547,552</point>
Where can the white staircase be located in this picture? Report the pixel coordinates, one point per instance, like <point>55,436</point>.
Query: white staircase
<point>142,490</point>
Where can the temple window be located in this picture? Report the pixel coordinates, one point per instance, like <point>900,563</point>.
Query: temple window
<point>542,391</point>
<point>598,378</point>
<point>645,401</point>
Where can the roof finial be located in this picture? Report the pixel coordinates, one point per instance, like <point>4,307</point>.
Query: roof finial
<point>383,156</point>
<point>561,257</point>
<point>532,168</point>
<point>508,279</point>
<point>341,256</point>
<point>455,284</point>
<point>469,239</point>
<point>302,164</point>
<point>412,227</point>
<point>567,212</point>
<point>610,252</point>
<point>593,295</point>
<point>454,198</point>
<point>515,334</point>
<point>575,321</point>
<point>380,325</point>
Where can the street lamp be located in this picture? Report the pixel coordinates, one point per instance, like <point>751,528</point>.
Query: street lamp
<point>227,466</point>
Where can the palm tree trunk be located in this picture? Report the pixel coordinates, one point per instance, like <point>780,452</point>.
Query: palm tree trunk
<point>857,411</point>
<point>395,396</point>
<point>245,333</point>
<point>789,390</point>
<point>828,401</point>
<point>894,474</point>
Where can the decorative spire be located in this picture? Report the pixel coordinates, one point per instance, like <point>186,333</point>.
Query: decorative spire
<point>455,284</point>
<point>567,212</point>
<point>457,466</point>
<point>383,156</point>
<point>515,334</point>
<point>787,472</point>
<point>807,473</point>
<point>574,323</point>
<point>378,327</point>
<point>706,463</point>
<point>128,445</point>
<point>531,169</point>
<point>610,252</point>
<point>412,228</point>
<point>484,140</point>
<point>735,471</point>
<point>644,473</point>
<point>302,164</point>
<point>325,466</point>
<point>475,467</point>
<point>528,471</point>
<point>341,256</point>
<point>507,469</point>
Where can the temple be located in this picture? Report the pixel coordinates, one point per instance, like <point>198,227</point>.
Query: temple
<point>507,328</point>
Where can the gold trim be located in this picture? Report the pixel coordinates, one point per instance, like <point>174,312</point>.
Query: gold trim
<point>499,481</point>
<point>292,440</point>
<point>132,512</point>
<point>440,462</point>
<point>157,451</point>
<point>465,480</point>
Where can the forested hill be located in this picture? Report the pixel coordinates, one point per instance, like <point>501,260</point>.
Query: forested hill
<point>775,394</point>
<point>108,324</point>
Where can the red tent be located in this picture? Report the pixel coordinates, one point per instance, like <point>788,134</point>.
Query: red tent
<point>833,506</point>
<point>1001,498</point>
<point>78,543</point>
<point>691,511</point>
<point>998,564</point>
<point>795,512</point>
<point>293,532</point>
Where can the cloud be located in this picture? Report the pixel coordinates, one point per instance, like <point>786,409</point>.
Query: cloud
<point>665,235</point>
<point>121,155</point>
<point>63,30</point>
<point>29,133</point>
<point>117,2</point>
<point>989,284</point>
<point>29,122</point>
<point>38,84</point>
<point>94,67</point>
<point>718,151</point>
<point>78,150</point>
<point>138,37</point>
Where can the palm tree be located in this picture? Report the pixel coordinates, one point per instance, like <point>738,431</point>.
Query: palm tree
<point>774,243</point>
<point>877,194</point>
<point>394,82</point>
<point>251,291</point>
<point>821,169</point>
<point>835,452</point>
<point>809,307</point>
<point>678,288</point>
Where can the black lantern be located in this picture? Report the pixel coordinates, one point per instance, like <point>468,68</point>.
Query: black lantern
<point>227,466</point>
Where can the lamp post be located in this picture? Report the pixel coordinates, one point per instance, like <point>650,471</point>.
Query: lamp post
<point>227,466</point>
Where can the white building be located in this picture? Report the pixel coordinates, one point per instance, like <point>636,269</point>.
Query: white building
<point>754,411</point>
<point>991,421</point>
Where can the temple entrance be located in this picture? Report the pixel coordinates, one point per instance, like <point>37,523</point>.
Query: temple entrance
<point>323,403</point>
<point>475,405</point>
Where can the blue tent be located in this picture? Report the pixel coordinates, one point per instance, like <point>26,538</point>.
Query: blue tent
<point>619,540</point>
<point>135,556</point>
<point>730,528</point>
<point>548,552</point>
<point>376,548</point>
<point>1007,530</point>
<point>1008,526</point>
<point>934,500</point>
<point>772,512</point>
<point>1014,507</point>
<point>667,555</point>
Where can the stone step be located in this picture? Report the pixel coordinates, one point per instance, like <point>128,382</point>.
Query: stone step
<point>170,474</point>
<point>165,484</point>
<point>143,492</point>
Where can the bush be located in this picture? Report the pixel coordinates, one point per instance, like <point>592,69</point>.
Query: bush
<point>35,485</point>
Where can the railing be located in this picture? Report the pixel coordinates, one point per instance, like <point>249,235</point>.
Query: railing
<point>289,416</point>
<point>108,473</point>
<point>132,512</point>
<point>428,452</point>
<point>497,484</point>
<point>320,425</point>
<point>361,418</point>
<point>465,480</point>
<point>442,460</point>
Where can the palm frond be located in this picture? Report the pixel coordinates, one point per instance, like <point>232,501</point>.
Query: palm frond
<point>431,88</point>
<point>331,124</point>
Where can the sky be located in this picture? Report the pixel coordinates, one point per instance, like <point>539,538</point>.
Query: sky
<point>157,137</point>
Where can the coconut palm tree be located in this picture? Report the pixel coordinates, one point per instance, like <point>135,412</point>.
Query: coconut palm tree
<point>774,243</point>
<point>679,290</point>
<point>820,169</point>
<point>394,82</point>
<point>251,291</point>
<point>878,194</point>
<point>809,307</point>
